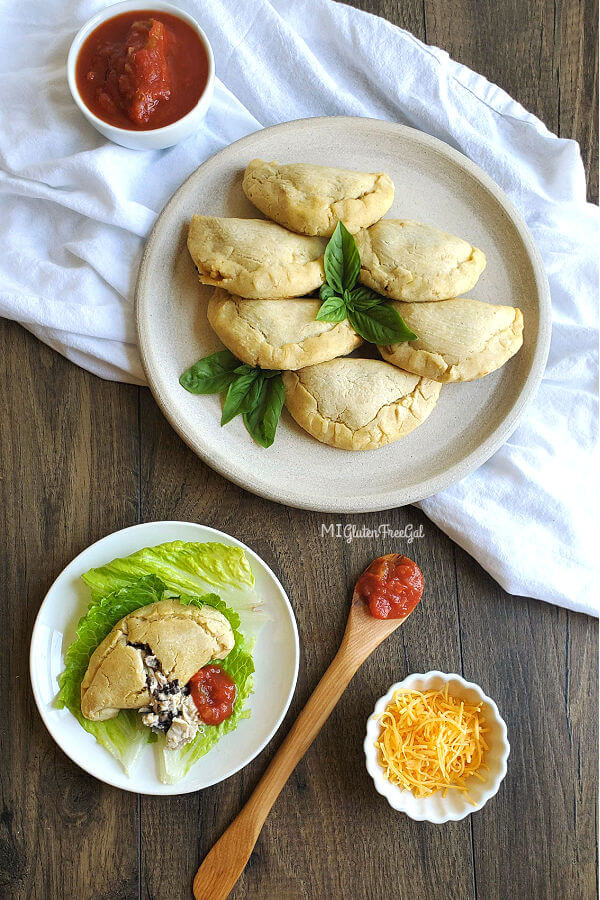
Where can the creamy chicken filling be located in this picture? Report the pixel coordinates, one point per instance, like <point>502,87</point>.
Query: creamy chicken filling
<point>171,709</point>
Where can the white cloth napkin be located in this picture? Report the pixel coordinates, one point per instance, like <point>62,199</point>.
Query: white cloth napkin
<point>76,210</point>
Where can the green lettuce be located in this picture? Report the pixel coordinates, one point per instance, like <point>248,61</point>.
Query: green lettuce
<point>184,567</point>
<point>187,567</point>
<point>175,764</point>
<point>124,736</point>
<point>189,572</point>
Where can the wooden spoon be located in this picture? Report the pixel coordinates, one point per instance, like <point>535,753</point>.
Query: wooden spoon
<point>226,861</point>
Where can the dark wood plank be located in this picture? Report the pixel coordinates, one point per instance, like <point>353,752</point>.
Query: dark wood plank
<point>330,833</point>
<point>577,38</point>
<point>67,476</point>
<point>317,813</point>
<point>544,53</point>
<point>409,14</point>
<point>537,837</point>
<point>511,43</point>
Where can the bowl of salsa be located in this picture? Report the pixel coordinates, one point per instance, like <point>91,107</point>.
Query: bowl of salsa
<point>142,73</point>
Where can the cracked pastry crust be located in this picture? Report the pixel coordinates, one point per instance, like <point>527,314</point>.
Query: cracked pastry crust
<point>406,260</point>
<point>183,638</point>
<point>312,199</point>
<point>358,404</point>
<point>459,340</point>
<point>255,259</point>
<point>279,334</point>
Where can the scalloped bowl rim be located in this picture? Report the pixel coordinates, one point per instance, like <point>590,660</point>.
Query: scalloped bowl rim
<point>437,809</point>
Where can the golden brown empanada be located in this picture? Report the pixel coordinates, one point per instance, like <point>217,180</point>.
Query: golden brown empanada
<point>406,260</point>
<point>182,638</point>
<point>255,259</point>
<point>459,340</point>
<point>358,404</point>
<point>279,334</point>
<point>312,199</point>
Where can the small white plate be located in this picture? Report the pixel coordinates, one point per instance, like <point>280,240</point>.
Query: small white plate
<point>454,806</point>
<point>276,655</point>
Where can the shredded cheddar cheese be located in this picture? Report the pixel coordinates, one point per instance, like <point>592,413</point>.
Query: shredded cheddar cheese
<point>431,741</point>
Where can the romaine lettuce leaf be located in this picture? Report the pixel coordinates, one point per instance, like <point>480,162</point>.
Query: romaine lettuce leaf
<point>190,568</point>
<point>128,584</point>
<point>184,567</point>
<point>124,736</point>
<point>175,764</point>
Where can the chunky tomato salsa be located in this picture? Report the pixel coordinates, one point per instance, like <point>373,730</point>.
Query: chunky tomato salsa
<point>391,586</point>
<point>213,691</point>
<point>142,70</point>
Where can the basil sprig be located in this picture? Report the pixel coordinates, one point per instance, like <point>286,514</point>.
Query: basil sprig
<point>370,314</point>
<point>255,394</point>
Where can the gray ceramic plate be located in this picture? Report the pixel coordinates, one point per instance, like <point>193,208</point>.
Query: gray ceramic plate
<point>434,184</point>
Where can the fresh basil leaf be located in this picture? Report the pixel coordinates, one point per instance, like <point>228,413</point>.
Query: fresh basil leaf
<point>237,397</point>
<point>362,298</point>
<point>333,310</point>
<point>254,416</point>
<point>342,262</point>
<point>261,421</point>
<point>380,325</point>
<point>253,395</point>
<point>210,375</point>
<point>326,291</point>
<point>274,405</point>
<point>244,369</point>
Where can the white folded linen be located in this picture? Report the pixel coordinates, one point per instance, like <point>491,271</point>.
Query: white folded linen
<point>76,210</point>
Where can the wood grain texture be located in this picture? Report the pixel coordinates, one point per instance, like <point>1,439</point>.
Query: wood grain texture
<point>329,798</point>
<point>67,477</point>
<point>227,859</point>
<point>522,653</point>
<point>544,53</point>
<point>80,458</point>
<point>577,61</point>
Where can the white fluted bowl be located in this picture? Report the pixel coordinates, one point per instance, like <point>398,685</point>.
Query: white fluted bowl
<point>454,805</point>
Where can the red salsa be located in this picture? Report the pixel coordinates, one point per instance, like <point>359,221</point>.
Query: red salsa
<point>142,70</point>
<point>213,692</point>
<point>391,586</point>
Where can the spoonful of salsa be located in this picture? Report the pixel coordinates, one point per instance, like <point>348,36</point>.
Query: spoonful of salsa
<point>384,596</point>
<point>391,586</point>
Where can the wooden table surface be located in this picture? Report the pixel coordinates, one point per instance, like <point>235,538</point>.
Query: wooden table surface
<point>82,457</point>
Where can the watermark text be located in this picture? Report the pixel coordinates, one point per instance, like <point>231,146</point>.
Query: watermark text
<point>352,532</point>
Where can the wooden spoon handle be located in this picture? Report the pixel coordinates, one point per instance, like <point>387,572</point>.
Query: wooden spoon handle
<point>226,861</point>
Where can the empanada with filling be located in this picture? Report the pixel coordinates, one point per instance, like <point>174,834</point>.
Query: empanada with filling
<point>183,639</point>
<point>255,259</point>
<point>358,404</point>
<point>279,334</point>
<point>406,260</point>
<point>459,340</point>
<point>312,199</point>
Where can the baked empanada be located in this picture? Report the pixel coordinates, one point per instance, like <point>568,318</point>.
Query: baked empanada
<point>312,199</point>
<point>180,638</point>
<point>256,259</point>
<point>358,404</point>
<point>459,340</point>
<point>279,334</point>
<point>406,260</point>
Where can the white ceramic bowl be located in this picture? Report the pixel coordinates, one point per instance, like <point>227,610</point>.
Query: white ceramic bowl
<point>156,138</point>
<point>454,805</point>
